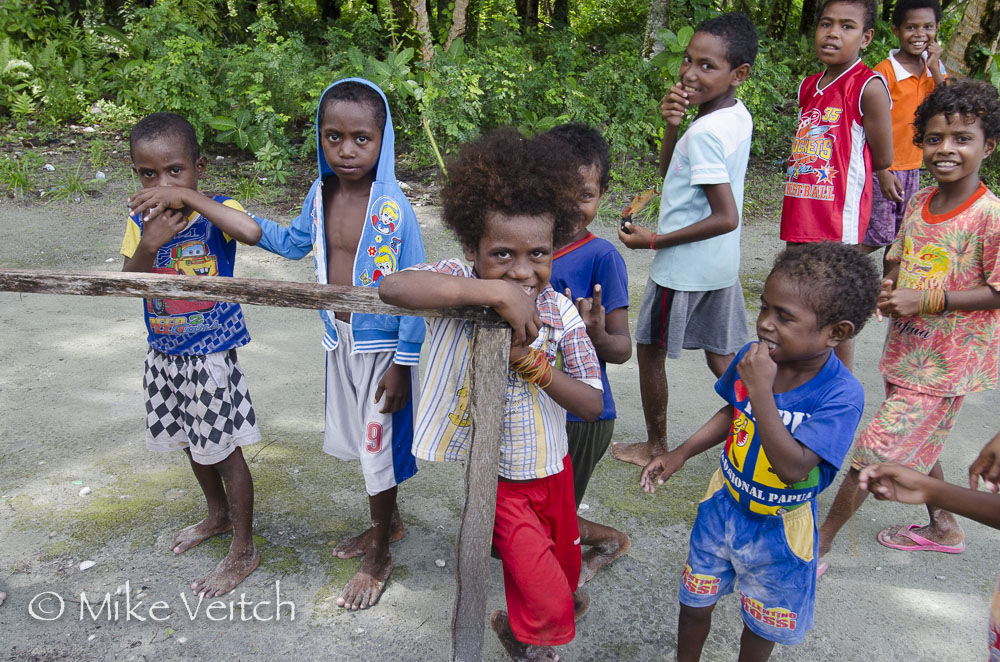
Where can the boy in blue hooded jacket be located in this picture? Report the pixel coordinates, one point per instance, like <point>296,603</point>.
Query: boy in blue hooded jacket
<point>360,228</point>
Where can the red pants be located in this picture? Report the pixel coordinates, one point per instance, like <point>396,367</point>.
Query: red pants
<point>537,537</point>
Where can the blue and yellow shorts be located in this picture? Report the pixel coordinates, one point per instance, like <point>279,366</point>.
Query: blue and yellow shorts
<point>773,557</point>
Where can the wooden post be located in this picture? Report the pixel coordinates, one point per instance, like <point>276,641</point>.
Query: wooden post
<point>490,349</point>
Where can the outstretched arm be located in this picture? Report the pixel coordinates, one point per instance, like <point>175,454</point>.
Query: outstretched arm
<point>894,482</point>
<point>151,202</point>
<point>790,459</point>
<point>711,434</point>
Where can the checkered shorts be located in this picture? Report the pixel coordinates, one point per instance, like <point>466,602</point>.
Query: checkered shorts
<point>198,402</point>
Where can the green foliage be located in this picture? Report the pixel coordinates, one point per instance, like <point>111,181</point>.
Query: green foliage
<point>674,45</point>
<point>15,175</point>
<point>73,186</point>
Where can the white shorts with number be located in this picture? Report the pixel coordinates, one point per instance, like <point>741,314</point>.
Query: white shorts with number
<point>355,428</point>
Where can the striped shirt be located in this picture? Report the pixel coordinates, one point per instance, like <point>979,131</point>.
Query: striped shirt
<point>533,440</point>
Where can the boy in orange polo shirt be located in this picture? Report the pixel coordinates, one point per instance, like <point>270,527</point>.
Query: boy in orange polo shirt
<point>911,72</point>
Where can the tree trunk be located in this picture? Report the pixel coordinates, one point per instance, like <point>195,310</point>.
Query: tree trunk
<point>979,27</point>
<point>779,18</point>
<point>657,19</point>
<point>458,18</point>
<point>887,7</point>
<point>472,20</point>
<point>329,10</point>
<point>527,12</point>
<point>807,21</point>
<point>560,13</point>
<point>421,27</point>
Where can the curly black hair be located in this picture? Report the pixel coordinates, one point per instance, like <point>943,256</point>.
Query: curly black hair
<point>837,281</point>
<point>358,93</point>
<point>739,34</point>
<point>903,6</point>
<point>163,125</point>
<point>504,172</point>
<point>870,7</point>
<point>965,97</point>
<point>588,146</point>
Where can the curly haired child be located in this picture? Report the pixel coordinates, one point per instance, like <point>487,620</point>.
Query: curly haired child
<point>791,412</point>
<point>509,201</point>
<point>942,295</point>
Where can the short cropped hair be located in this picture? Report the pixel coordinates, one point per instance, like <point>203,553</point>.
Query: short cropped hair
<point>165,125</point>
<point>965,97</point>
<point>903,6</point>
<point>870,7</point>
<point>739,34</point>
<point>358,93</point>
<point>837,281</point>
<point>506,173</point>
<point>588,146</point>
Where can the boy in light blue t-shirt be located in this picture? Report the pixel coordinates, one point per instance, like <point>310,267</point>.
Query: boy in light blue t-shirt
<point>693,299</point>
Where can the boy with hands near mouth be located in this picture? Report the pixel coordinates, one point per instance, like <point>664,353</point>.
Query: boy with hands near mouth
<point>790,416</point>
<point>693,298</point>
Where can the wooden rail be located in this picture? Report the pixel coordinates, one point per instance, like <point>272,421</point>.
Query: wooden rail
<point>490,343</point>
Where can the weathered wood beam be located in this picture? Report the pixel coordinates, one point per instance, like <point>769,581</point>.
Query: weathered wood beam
<point>490,350</point>
<point>281,293</point>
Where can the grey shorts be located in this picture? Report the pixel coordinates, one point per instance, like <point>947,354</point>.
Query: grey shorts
<point>715,321</point>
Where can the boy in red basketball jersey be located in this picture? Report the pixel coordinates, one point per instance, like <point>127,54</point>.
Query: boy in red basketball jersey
<point>844,134</point>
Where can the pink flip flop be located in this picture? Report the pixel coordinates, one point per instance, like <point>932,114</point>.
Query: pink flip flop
<point>921,544</point>
<point>821,569</point>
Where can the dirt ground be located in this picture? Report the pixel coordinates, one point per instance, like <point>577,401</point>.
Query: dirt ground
<point>71,422</point>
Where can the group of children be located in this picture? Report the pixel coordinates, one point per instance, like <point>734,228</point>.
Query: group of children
<point>521,209</point>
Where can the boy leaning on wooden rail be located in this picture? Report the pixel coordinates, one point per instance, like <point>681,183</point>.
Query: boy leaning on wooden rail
<point>509,201</point>
<point>196,394</point>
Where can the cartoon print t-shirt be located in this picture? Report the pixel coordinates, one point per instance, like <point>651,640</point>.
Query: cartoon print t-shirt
<point>822,414</point>
<point>192,327</point>
<point>954,352</point>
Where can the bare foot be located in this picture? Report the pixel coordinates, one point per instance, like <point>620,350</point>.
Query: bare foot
<point>599,556</point>
<point>919,537</point>
<point>520,652</point>
<point>358,545</point>
<point>581,603</point>
<point>366,587</point>
<point>194,535</point>
<point>228,574</point>
<point>638,453</point>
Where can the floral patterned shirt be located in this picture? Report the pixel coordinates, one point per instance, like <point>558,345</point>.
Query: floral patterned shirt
<point>953,352</point>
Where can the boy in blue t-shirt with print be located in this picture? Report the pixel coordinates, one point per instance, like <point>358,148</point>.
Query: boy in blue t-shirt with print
<point>196,394</point>
<point>591,272</point>
<point>693,299</point>
<point>790,415</point>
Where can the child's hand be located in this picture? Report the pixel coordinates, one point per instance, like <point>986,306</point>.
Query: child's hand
<point>520,311</point>
<point>934,55</point>
<point>636,237</point>
<point>894,482</point>
<point>162,229</point>
<point>757,370</point>
<point>674,105</point>
<point>659,470</point>
<point>592,312</point>
<point>901,301</point>
<point>395,386</point>
<point>987,465</point>
<point>892,188</point>
<point>158,199</point>
<point>883,296</point>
